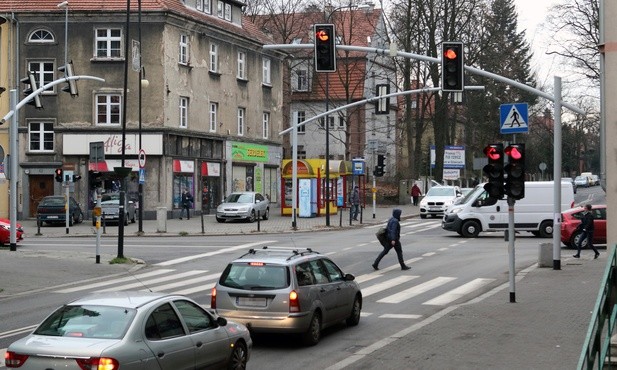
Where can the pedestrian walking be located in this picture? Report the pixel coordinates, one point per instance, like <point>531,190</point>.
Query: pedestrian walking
<point>187,203</point>
<point>586,226</point>
<point>415,194</point>
<point>393,232</point>
<point>354,201</point>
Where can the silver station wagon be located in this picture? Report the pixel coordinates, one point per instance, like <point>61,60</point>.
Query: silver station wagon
<point>283,290</point>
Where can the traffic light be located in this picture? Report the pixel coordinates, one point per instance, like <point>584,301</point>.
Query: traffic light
<point>71,86</point>
<point>31,86</point>
<point>380,168</point>
<point>59,175</point>
<point>515,171</point>
<point>94,179</point>
<point>325,48</point>
<point>452,67</point>
<point>76,178</point>
<point>378,171</point>
<point>494,171</point>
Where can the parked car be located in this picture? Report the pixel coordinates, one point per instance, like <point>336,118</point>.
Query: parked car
<point>438,199</point>
<point>285,290</point>
<point>581,181</point>
<point>110,208</point>
<point>571,218</point>
<point>245,205</point>
<point>51,209</point>
<point>595,180</point>
<point>132,330</point>
<point>5,231</point>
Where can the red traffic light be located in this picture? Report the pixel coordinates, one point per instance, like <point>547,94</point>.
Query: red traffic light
<point>450,54</point>
<point>58,171</point>
<point>492,152</point>
<point>513,152</point>
<point>322,35</point>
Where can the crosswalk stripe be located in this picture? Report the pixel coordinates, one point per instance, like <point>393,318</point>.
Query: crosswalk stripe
<point>115,281</point>
<point>220,251</point>
<point>386,284</point>
<point>457,293</point>
<point>399,316</point>
<point>182,283</point>
<point>148,283</point>
<point>416,290</point>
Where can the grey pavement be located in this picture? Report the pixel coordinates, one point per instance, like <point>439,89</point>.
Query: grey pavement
<point>544,329</point>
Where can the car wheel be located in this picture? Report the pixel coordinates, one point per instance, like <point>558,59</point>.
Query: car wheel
<point>126,219</point>
<point>470,229</point>
<point>546,229</point>
<point>252,217</point>
<point>313,334</point>
<point>134,219</point>
<point>220,220</point>
<point>71,220</point>
<point>354,317</point>
<point>238,357</point>
<point>80,218</point>
<point>576,238</point>
<point>422,216</point>
<point>266,214</point>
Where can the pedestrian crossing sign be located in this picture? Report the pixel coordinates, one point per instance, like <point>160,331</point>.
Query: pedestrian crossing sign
<point>514,118</point>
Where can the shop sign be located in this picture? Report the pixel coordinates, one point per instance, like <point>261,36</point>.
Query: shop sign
<point>249,152</point>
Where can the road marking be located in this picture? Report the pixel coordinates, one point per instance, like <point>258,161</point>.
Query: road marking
<point>428,254</point>
<point>221,251</point>
<point>457,293</point>
<point>186,282</point>
<point>150,282</point>
<point>416,290</point>
<point>115,281</point>
<point>13,332</point>
<point>399,316</point>
<point>386,285</point>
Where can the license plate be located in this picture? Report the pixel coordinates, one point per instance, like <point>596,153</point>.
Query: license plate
<point>434,209</point>
<point>52,216</point>
<point>251,301</point>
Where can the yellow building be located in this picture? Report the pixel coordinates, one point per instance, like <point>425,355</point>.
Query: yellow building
<point>5,86</point>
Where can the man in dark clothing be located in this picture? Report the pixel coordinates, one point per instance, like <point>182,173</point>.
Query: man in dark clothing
<point>393,231</point>
<point>186,202</point>
<point>587,226</point>
<point>354,200</point>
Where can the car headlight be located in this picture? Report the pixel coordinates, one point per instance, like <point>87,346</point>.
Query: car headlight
<point>5,227</point>
<point>455,211</point>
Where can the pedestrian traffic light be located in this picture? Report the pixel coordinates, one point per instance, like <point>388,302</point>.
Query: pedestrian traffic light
<point>31,86</point>
<point>378,171</point>
<point>76,178</point>
<point>94,179</point>
<point>59,175</point>
<point>452,67</point>
<point>325,48</point>
<point>494,171</point>
<point>515,171</point>
<point>71,86</point>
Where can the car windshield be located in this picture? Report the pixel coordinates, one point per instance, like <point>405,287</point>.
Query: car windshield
<point>110,197</point>
<point>87,322</point>
<point>580,178</point>
<point>53,202</point>
<point>257,276</point>
<point>239,198</point>
<point>438,191</point>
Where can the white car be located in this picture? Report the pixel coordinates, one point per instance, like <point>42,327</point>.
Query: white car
<point>437,200</point>
<point>246,205</point>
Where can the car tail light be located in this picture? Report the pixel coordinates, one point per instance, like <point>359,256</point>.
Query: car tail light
<point>98,363</point>
<point>294,302</point>
<point>12,359</point>
<point>213,299</point>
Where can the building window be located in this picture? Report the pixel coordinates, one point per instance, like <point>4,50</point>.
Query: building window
<point>41,136</point>
<point>228,12</point>
<point>214,58</point>
<point>241,115</point>
<point>108,109</point>
<point>108,43</point>
<point>184,111</point>
<point>301,80</point>
<point>214,108</point>
<point>204,5</point>
<point>341,123</point>
<point>224,10</point>
<point>266,71</point>
<point>330,121</point>
<point>43,73</point>
<point>41,37</point>
<point>265,127</point>
<point>220,10</point>
<point>241,65</point>
<point>300,117</point>
<point>183,57</point>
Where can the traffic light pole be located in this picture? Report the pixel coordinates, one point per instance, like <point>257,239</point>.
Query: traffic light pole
<point>511,238</point>
<point>67,203</point>
<point>14,151</point>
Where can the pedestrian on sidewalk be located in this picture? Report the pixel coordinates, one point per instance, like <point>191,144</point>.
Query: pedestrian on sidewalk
<point>415,194</point>
<point>354,201</point>
<point>586,226</point>
<point>187,203</point>
<point>393,232</point>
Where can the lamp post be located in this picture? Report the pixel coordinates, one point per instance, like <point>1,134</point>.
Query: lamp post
<point>140,188</point>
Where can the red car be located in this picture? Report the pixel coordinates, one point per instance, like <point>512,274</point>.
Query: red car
<point>5,231</point>
<point>571,218</point>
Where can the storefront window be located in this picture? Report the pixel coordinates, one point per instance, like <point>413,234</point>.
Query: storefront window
<point>182,181</point>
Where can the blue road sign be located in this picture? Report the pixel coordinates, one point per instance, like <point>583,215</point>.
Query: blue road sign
<point>514,118</point>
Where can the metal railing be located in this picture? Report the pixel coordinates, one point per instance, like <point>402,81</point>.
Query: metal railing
<point>596,351</point>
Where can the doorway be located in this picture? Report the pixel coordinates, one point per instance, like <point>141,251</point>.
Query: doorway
<point>40,187</point>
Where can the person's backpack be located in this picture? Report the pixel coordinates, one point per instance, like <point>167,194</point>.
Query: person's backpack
<point>382,236</point>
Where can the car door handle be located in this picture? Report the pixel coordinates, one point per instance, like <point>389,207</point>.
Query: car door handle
<point>199,344</point>
<point>161,354</point>
<point>322,290</point>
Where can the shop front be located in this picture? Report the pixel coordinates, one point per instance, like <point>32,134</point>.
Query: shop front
<point>312,182</point>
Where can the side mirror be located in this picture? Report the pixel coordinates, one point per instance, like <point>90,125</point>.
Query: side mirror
<point>221,321</point>
<point>349,277</point>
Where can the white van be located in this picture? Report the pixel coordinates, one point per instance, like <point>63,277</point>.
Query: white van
<point>534,213</point>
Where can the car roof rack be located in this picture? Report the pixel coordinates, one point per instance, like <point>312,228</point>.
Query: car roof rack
<point>295,252</point>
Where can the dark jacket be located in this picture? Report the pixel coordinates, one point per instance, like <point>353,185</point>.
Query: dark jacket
<point>393,229</point>
<point>587,221</point>
<point>187,199</point>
